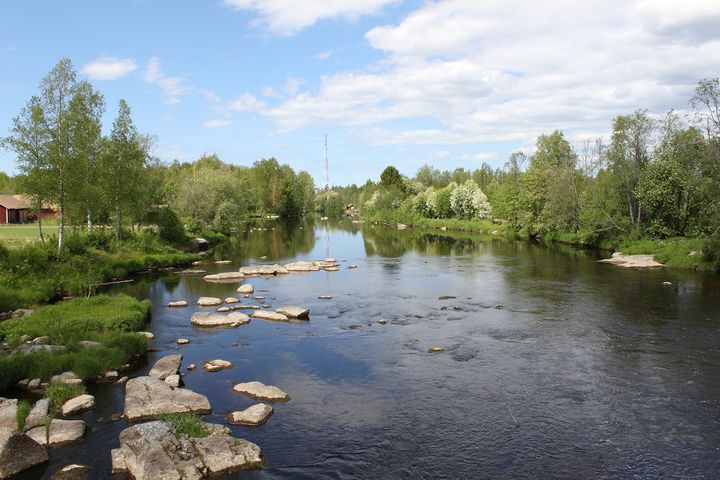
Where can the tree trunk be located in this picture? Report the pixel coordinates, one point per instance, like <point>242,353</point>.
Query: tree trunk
<point>89,220</point>
<point>61,230</point>
<point>42,238</point>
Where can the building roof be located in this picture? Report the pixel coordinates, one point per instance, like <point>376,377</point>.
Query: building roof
<point>14,202</point>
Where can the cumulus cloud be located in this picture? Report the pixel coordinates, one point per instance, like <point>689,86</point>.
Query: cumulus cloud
<point>108,68</point>
<point>172,87</point>
<point>508,71</point>
<point>288,17</point>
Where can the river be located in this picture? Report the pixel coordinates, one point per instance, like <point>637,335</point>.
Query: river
<point>553,366</point>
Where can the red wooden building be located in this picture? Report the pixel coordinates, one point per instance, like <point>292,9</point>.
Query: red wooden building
<point>16,209</point>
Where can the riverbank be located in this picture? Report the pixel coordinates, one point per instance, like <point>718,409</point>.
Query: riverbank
<point>86,336</point>
<point>36,274</point>
<point>676,252</point>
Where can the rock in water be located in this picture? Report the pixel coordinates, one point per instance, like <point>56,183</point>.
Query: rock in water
<point>8,413</point>
<point>166,366</point>
<point>255,415</point>
<point>38,414</point>
<point>435,349</point>
<point>632,261</point>
<point>18,452</point>
<point>274,269</point>
<point>302,266</point>
<point>178,303</point>
<point>217,365</point>
<point>151,451</point>
<point>78,404</point>
<point>224,276</point>
<point>173,380</point>
<point>72,472</point>
<point>61,432</point>
<point>232,300</point>
<point>145,397</point>
<point>68,378</point>
<point>260,391</point>
<point>246,288</point>
<point>209,301</point>
<point>266,315</point>
<point>211,319</point>
<point>294,312</point>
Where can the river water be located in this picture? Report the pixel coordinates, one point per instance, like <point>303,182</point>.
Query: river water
<point>553,366</point>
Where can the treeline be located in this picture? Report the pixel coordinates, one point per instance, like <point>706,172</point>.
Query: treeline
<point>655,177</point>
<point>66,162</point>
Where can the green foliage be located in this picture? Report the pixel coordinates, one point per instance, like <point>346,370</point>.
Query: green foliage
<point>171,228</point>
<point>468,201</point>
<point>23,409</point>
<point>391,178</point>
<point>711,252</point>
<point>184,424</point>
<point>59,393</point>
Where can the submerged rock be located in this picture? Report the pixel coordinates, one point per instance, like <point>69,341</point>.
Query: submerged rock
<point>19,452</point>
<point>166,366</point>
<point>261,391</point>
<point>255,415</point>
<point>60,432</point>
<point>152,451</point>
<point>178,303</point>
<point>293,311</point>
<point>209,301</point>
<point>78,404</point>
<point>145,397</point>
<point>267,315</point>
<point>632,261</point>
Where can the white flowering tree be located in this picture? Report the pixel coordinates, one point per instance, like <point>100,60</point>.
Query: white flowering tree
<point>469,201</point>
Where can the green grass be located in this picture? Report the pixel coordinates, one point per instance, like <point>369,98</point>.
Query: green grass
<point>23,410</point>
<point>184,424</point>
<point>673,252</point>
<point>59,393</point>
<point>25,232</point>
<point>111,321</point>
<point>475,225</point>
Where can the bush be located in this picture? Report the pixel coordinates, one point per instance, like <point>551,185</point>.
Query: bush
<point>711,251</point>
<point>23,410</point>
<point>171,228</point>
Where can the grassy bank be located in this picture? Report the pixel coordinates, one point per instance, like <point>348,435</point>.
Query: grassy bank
<point>110,321</point>
<point>35,274</point>
<point>476,225</point>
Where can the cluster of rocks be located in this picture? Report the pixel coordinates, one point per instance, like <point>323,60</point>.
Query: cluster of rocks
<point>329,264</point>
<point>20,450</point>
<point>632,261</point>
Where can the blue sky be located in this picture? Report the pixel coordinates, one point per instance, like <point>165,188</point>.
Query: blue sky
<point>452,83</point>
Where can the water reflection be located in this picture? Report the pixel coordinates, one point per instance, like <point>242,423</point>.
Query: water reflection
<point>608,372</point>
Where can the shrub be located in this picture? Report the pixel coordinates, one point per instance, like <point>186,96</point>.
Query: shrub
<point>171,228</point>
<point>23,409</point>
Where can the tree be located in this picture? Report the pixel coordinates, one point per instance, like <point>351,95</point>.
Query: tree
<point>6,184</point>
<point>628,155</point>
<point>124,165</point>
<point>391,178</point>
<point>469,201</point>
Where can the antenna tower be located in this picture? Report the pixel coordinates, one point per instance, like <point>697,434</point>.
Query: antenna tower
<point>326,173</point>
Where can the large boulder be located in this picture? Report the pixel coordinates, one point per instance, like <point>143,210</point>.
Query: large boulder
<point>224,277</point>
<point>78,404</point>
<point>255,415</point>
<point>267,315</point>
<point>632,261</point>
<point>212,319</point>
<point>216,365</point>
<point>152,451</point>
<point>260,391</point>
<point>8,412</point>
<point>145,397</point>
<point>166,366</point>
<point>19,452</point>
<point>68,378</point>
<point>61,432</point>
<point>294,312</point>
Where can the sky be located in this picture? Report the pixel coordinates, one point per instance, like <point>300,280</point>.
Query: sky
<point>391,82</point>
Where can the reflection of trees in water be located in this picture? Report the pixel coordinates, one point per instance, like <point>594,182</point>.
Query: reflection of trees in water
<point>274,239</point>
<point>390,242</point>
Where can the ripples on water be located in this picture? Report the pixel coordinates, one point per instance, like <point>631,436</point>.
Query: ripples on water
<point>608,373</point>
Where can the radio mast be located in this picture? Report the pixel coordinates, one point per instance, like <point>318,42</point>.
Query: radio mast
<point>326,173</point>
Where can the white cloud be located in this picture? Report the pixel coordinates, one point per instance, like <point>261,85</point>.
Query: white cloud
<point>172,87</point>
<point>288,17</point>
<point>217,123</point>
<point>507,71</point>
<point>485,156</point>
<point>108,68</point>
